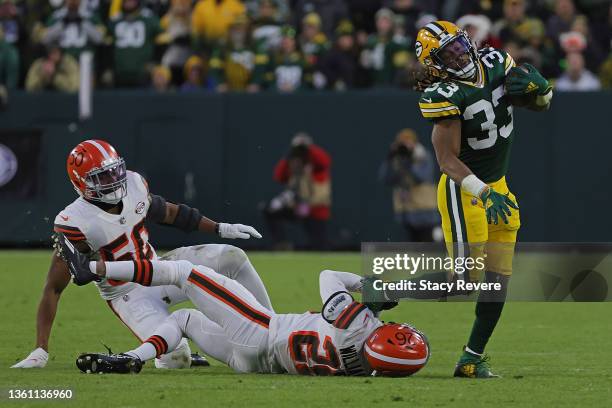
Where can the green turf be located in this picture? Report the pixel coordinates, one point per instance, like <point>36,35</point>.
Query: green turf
<point>555,354</point>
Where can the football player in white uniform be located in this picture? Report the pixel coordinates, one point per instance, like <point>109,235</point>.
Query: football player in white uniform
<point>108,218</point>
<point>346,338</point>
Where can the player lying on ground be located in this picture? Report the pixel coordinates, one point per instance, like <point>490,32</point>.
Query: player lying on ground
<point>346,338</point>
<point>109,218</point>
<point>469,95</point>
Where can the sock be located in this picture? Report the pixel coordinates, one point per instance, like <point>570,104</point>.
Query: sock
<point>148,273</point>
<point>472,352</point>
<point>146,351</point>
<point>166,338</point>
<point>488,313</point>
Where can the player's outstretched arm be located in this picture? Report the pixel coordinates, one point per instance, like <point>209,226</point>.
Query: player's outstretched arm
<point>58,278</point>
<point>189,219</point>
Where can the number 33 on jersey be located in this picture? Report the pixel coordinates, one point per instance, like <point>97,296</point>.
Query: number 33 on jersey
<point>485,112</point>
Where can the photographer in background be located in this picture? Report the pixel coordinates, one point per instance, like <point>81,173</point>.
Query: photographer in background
<point>305,173</point>
<point>409,169</point>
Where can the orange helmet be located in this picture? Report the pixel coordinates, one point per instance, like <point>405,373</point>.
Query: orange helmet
<point>97,172</point>
<point>396,350</point>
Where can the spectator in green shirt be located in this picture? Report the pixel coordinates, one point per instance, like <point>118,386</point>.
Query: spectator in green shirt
<point>75,30</point>
<point>285,69</point>
<point>134,31</point>
<point>383,55</point>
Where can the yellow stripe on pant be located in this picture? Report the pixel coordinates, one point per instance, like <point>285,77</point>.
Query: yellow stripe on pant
<point>466,231</point>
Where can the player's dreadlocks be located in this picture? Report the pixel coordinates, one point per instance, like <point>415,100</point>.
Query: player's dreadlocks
<point>424,77</point>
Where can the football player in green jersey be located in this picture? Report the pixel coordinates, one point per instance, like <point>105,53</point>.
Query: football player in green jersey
<point>469,96</point>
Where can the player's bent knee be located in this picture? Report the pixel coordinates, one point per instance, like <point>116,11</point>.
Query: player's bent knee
<point>231,259</point>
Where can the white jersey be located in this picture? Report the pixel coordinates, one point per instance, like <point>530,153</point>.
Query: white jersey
<point>308,344</point>
<point>114,236</point>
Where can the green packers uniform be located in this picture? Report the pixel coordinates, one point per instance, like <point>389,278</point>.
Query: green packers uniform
<point>281,72</point>
<point>384,58</point>
<point>233,66</point>
<point>314,50</point>
<point>486,141</point>
<point>74,38</point>
<point>134,45</point>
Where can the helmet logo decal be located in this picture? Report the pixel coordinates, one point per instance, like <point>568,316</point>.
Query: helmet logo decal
<point>418,48</point>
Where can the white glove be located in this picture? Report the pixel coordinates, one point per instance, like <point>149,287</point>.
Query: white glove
<point>37,359</point>
<point>237,231</point>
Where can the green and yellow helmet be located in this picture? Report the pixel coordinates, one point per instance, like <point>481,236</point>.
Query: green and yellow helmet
<point>447,49</point>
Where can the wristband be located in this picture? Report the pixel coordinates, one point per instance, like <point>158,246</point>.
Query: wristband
<point>473,185</point>
<point>543,100</point>
<point>217,228</point>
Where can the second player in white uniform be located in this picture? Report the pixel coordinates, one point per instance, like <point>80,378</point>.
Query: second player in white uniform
<point>122,235</point>
<point>252,338</point>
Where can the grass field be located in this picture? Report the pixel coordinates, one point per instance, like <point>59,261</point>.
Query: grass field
<point>550,354</point>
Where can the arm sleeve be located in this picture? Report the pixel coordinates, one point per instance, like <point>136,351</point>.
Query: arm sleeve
<point>435,106</point>
<point>331,282</point>
<point>508,63</point>
<point>69,226</point>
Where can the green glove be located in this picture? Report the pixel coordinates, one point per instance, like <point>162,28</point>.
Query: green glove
<point>496,205</point>
<point>519,82</point>
<point>375,300</point>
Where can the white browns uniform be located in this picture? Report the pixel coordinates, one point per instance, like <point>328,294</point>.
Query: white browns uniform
<point>308,344</point>
<point>251,338</point>
<point>125,237</point>
<point>114,236</point>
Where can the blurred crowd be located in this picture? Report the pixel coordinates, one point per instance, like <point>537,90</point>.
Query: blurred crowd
<point>285,45</point>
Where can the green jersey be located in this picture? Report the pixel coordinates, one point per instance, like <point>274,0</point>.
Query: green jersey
<point>383,58</point>
<point>134,38</point>
<point>485,113</point>
<point>232,65</point>
<point>76,33</point>
<point>282,72</point>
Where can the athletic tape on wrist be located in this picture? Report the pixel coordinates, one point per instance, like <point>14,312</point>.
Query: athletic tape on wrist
<point>473,185</point>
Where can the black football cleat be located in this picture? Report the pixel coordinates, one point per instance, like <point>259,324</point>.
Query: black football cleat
<point>78,263</point>
<point>199,361</point>
<point>93,363</point>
